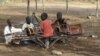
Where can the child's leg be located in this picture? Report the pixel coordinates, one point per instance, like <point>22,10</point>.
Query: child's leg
<point>46,41</point>
<point>8,39</point>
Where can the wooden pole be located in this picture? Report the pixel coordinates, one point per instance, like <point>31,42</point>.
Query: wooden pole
<point>97,9</point>
<point>28,7</point>
<point>43,5</point>
<point>67,6</point>
<point>36,4</point>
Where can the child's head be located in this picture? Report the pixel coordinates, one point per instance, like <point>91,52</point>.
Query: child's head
<point>28,20</point>
<point>59,15</point>
<point>33,13</point>
<point>44,16</point>
<point>9,23</point>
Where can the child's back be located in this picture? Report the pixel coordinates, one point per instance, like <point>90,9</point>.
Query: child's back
<point>46,26</point>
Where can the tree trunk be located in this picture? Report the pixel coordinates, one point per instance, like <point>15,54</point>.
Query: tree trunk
<point>36,4</point>
<point>28,7</point>
<point>43,5</point>
<point>97,9</point>
<point>67,6</point>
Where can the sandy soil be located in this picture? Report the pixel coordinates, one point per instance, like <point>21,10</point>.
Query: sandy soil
<point>76,47</point>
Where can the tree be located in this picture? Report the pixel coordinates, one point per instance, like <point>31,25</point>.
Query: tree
<point>2,1</point>
<point>43,5</point>
<point>28,7</point>
<point>97,9</point>
<point>67,6</point>
<point>36,4</point>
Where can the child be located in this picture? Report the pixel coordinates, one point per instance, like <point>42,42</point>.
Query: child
<point>34,19</point>
<point>60,24</point>
<point>28,27</point>
<point>46,26</point>
<point>9,32</point>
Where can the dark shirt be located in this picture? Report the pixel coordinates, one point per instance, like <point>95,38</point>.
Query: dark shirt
<point>61,23</point>
<point>35,20</point>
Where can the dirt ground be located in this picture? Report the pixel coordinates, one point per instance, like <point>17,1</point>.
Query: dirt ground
<point>74,47</point>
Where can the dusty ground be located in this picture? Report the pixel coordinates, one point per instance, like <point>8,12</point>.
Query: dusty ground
<point>75,47</point>
<point>80,47</point>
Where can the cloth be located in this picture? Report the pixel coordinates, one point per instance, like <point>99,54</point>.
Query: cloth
<point>25,25</point>
<point>9,33</point>
<point>29,32</point>
<point>46,26</point>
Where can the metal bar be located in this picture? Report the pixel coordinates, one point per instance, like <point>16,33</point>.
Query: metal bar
<point>55,41</point>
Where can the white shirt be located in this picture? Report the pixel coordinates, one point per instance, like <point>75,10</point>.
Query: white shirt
<point>7,30</point>
<point>13,30</point>
<point>8,38</point>
<point>25,25</point>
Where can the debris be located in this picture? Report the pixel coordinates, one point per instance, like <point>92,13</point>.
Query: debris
<point>89,17</point>
<point>56,52</point>
<point>82,38</point>
<point>17,43</point>
<point>93,36</point>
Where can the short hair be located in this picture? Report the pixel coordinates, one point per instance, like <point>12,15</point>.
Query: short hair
<point>33,13</point>
<point>9,22</point>
<point>44,16</point>
<point>28,19</point>
<point>59,15</point>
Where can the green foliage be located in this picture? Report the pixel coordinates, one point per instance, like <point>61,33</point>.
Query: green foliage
<point>2,1</point>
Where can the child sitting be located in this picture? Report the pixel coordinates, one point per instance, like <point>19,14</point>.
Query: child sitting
<point>46,26</point>
<point>28,27</point>
<point>9,32</point>
<point>60,24</point>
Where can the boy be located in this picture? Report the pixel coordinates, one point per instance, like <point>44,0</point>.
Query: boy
<point>28,27</point>
<point>34,19</point>
<point>60,24</point>
<point>46,26</point>
<point>9,32</point>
